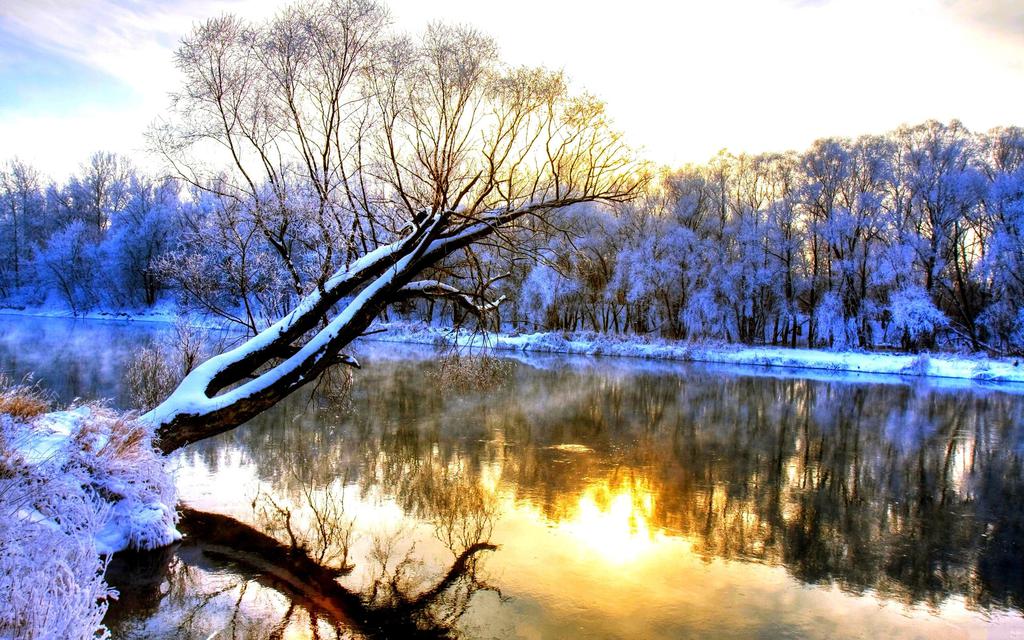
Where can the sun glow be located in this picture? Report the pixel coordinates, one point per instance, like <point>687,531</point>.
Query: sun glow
<point>614,520</point>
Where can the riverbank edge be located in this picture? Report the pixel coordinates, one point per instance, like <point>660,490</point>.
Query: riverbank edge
<point>976,368</point>
<point>80,484</point>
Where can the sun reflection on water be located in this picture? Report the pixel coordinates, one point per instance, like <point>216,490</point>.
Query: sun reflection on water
<point>613,520</point>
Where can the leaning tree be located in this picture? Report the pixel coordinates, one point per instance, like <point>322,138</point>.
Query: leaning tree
<point>371,165</point>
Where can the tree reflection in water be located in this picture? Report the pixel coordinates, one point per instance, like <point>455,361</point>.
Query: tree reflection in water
<point>224,577</point>
<point>910,493</point>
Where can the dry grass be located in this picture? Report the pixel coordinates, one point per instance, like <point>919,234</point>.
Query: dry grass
<point>23,401</point>
<point>127,440</point>
<point>119,436</point>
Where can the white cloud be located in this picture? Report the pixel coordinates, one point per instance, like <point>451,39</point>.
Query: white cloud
<point>130,41</point>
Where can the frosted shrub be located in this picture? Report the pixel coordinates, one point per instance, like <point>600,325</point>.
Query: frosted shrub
<point>919,366</point>
<point>115,455</point>
<point>913,313</point>
<point>75,487</point>
<point>155,371</point>
<point>835,329</point>
<point>51,576</point>
<point>150,377</point>
<point>553,342</point>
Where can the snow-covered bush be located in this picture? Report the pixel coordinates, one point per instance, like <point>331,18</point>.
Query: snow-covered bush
<point>51,575</point>
<point>914,315</point>
<point>75,486</point>
<point>150,377</point>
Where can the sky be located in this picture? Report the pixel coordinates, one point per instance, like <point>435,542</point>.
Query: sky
<point>682,79</point>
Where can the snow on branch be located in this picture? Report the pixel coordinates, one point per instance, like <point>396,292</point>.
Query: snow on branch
<point>438,289</point>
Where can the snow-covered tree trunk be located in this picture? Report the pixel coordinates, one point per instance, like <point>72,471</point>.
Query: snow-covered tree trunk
<point>300,346</point>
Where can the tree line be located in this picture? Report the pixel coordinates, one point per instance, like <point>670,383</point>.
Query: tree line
<point>901,239</point>
<point>910,239</point>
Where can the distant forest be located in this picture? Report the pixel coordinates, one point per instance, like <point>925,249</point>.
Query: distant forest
<point>913,239</point>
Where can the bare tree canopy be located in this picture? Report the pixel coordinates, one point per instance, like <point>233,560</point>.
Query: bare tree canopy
<point>388,156</point>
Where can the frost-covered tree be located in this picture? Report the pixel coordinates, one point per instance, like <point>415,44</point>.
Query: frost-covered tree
<point>320,138</point>
<point>220,267</point>
<point>750,278</point>
<point>423,148</point>
<point>826,167</point>
<point>649,276</point>
<point>141,233</point>
<point>567,281</point>
<point>67,265</point>
<point>93,240</point>
<point>545,296</point>
<point>784,241</point>
<point>946,186</point>
<point>1003,220</point>
<point>853,234</point>
<point>21,210</point>
<point>100,190</point>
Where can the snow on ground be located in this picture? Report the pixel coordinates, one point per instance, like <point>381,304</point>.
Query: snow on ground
<point>963,367</point>
<point>165,311</point>
<point>110,457</point>
<point>75,486</point>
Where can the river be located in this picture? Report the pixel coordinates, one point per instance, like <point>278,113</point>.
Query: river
<point>624,499</point>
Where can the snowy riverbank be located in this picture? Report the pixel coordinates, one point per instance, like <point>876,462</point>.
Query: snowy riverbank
<point>76,486</point>
<point>977,368</point>
<point>973,367</point>
<point>165,312</point>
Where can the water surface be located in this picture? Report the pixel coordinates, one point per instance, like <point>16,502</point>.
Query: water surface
<point>626,499</point>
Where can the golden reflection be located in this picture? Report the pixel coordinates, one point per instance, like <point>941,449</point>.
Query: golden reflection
<point>802,508</point>
<point>490,477</point>
<point>613,520</point>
